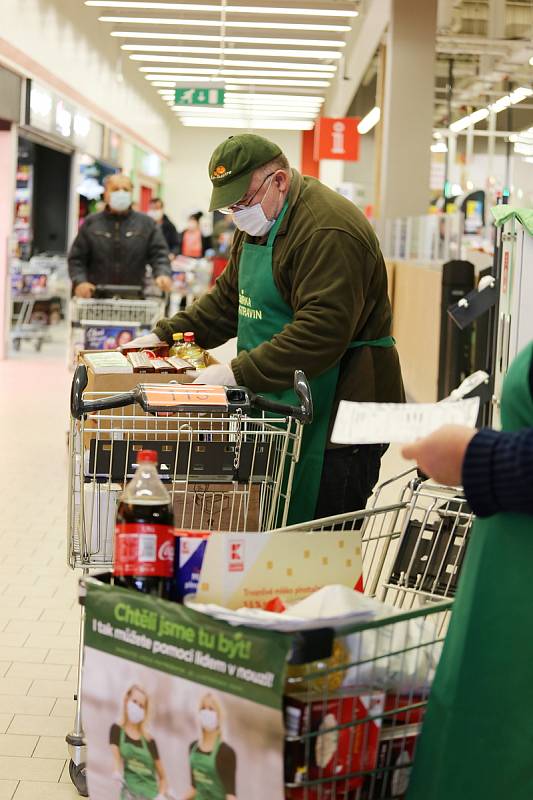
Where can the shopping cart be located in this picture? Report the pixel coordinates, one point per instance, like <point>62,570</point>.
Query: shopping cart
<point>114,315</point>
<point>227,457</point>
<point>354,698</point>
<point>37,296</point>
<point>412,548</point>
<point>353,717</point>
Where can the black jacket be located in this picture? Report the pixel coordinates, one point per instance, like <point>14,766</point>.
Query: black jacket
<point>115,249</point>
<point>171,234</point>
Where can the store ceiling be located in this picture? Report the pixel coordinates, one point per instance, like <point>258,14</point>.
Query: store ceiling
<point>276,59</point>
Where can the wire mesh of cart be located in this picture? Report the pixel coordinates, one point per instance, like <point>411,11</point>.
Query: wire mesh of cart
<point>227,457</point>
<point>111,309</point>
<point>413,547</point>
<point>353,717</point>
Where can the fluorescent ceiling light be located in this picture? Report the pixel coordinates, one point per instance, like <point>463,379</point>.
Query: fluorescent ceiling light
<point>501,104</point>
<point>243,73</point>
<point>211,23</point>
<point>237,62</point>
<point>235,51</point>
<point>292,11</point>
<point>507,100</point>
<point>241,122</point>
<point>371,119</point>
<point>212,37</point>
<point>175,60</point>
<point>531,61</point>
<point>242,112</point>
<point>471,119</point>
<point>247,82</point>
<point>523,149</point>
<point>439,147</point>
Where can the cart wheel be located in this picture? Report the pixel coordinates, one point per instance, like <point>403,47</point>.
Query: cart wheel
<point>78,776</point>
<point>16,344</point>
<point>38,345</point>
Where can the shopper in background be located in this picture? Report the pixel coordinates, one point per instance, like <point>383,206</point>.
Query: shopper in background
<point>168,229</point>
<point>137,763</point>
<point>305,288</point>
<point>192,243</point>
<point>213,762</point>
<point>114,246</point>
<point>477,739</point>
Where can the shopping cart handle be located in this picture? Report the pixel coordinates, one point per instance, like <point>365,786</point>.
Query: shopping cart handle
<point>111,290</point>
<point>303,412</point>
<point>79,407</point>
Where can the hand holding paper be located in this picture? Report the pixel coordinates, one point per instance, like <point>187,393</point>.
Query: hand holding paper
<point>441,455</point>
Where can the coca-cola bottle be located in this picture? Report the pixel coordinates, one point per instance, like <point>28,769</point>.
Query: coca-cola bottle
<point>144,532</point>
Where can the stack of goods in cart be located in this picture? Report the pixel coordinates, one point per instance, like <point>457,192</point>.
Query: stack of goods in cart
<point>184,356</point>
<point>352,711</point>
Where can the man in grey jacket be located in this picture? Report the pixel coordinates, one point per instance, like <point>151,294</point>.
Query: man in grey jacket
<point>114,246</point>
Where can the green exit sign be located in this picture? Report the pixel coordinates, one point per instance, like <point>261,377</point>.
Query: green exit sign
<point>199,97</point>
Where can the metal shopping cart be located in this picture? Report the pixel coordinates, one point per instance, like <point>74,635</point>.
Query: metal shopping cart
<point>38,291</point>
<point>227,457</point>
<point>115,315</point>
<point>414,547</point>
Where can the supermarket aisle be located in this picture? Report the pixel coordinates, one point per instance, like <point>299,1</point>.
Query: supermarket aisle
<point>38,608</point>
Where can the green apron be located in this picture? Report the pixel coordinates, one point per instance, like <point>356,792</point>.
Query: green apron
<point>263,313</point>
<point>139,769</point>
<point>206,778</point>
<point>477,741</point>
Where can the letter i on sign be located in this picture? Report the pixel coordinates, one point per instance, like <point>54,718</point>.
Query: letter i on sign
<point>337,135</point>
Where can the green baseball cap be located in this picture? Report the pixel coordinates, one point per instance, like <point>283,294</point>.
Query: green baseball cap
<point>232,164</point>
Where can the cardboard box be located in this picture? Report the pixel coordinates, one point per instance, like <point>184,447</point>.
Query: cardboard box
<point>395,756</point>
<point>332,753</point>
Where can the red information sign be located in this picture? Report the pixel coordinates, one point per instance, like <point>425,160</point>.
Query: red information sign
<point>336,138</point>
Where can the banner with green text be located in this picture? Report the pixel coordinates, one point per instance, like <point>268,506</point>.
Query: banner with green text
<point>179,705</point>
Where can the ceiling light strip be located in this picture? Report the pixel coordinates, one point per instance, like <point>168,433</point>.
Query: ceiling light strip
<point>245,51</point>
<point>210,23</point>
<point>204,37</point>
<point>292,11</point>
<point>231,62</point>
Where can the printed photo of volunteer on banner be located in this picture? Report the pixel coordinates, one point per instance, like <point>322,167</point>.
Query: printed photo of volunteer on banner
<point>153,735</point>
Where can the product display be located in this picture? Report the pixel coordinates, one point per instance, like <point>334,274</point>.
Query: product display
<point>144,533</point>
<point>189,555</point>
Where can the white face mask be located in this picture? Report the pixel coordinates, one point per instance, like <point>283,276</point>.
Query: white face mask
<point>120,200</point>
<point>156,213</point>
<point>135,712</point>
<point>208,719</point>
<point>252,219</point>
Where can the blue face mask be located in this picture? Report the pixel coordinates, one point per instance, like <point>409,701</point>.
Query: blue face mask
<point>120,200</point>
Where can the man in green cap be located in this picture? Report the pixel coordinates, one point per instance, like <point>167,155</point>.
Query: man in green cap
<point>305,288</point>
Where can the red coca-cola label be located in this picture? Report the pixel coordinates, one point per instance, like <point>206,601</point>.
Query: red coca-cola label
<point>144,550</point>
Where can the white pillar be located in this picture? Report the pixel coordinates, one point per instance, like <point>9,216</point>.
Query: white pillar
<point>407,114</point>
<point>8,163</point>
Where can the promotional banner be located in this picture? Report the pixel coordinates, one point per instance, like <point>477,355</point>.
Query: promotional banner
<point>178,705</point>
<point>109,337</point>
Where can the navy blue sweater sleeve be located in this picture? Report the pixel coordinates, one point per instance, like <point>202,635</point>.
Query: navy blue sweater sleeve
<point>498,472</point>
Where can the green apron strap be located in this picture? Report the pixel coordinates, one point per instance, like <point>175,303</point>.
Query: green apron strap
<point>385,341</point>
<point>275,227</point>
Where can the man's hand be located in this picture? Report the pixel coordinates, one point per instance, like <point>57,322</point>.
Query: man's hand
<point>215,375</point>
<point>164,283</point>
<point>85,290</point>
<point>147,341</point>
<point>441,455</point>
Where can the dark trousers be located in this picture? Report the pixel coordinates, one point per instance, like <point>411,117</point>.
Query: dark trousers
<point>349,475</point>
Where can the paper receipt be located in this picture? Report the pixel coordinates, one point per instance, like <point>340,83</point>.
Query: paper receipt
<point>374,423</point>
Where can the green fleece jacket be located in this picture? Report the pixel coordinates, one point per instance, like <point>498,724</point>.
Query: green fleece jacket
<point>328,267</point>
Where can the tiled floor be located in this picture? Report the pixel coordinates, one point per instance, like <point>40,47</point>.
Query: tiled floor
<point>39,614</point>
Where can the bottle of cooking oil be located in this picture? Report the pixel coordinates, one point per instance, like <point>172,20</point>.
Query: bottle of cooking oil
<point>177,346</point>
<point>192,352</point>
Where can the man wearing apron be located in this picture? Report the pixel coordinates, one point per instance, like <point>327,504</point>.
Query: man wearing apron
<point>305,288</point>
<point>477,740</point>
